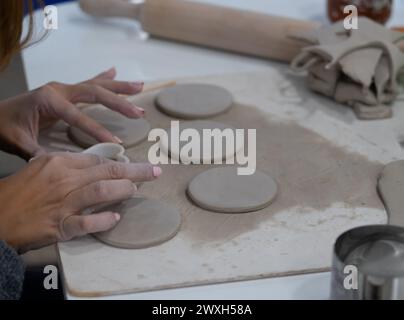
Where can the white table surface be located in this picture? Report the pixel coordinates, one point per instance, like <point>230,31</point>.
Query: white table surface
<point>84,46</point>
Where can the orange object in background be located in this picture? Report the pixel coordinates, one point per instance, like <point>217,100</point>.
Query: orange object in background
<point>399,29</point>
<point>377,10</point>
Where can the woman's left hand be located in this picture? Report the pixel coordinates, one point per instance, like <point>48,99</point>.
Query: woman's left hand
<point>22,117</point>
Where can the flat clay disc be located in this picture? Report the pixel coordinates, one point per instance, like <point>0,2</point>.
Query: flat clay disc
<point>222,190</point>
<point>173,147</point>
<point>144,223</point>
<point>194,101</point>
<point>130,131</point>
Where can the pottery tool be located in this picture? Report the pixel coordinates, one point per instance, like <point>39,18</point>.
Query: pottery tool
<point>155,87</point>
<point>240,31</point>
<point>108,150</point>
<point>377,252</point>
<point>368,264</point>
<point>374,255</point>
<point>146,89</point>
<point>150,88</point>
<point>208,25</point>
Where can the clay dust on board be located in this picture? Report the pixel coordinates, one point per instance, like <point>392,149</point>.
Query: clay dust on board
<point>313,173</point>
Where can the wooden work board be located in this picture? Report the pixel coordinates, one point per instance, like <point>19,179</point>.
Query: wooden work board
<point>326,164</point>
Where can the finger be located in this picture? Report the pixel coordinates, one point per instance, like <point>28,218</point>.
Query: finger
<point>74,117</point>
<point>100,192</point>
<point>136,172</point>
<point>30,148</point>
<point>75,225</point>
<point>63,160</point>
<point>75,160</point>
<point>39,152</point>
<point>121,87</point>
<point>97,94</point>
<point>109,74</point>
<point>23,140</point>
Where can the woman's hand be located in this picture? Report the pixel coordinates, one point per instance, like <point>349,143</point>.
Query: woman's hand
<point>43,203</point>
<point>22,117</point>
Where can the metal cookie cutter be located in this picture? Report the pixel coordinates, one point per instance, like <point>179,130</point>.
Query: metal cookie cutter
<point>110,151</point>
<point>368,264</point>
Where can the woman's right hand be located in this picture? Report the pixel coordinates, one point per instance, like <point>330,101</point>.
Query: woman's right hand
<point>24,116</point>
<point>43,203</point>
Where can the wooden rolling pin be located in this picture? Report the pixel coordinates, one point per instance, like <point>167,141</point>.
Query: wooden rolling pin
<point>240,31</point>
<point>208,25</point>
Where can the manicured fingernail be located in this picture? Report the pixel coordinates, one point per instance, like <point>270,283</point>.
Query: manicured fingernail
<point>157,171</point>
<point>118,140</point>
<point>117,217</point>
<point>137,84</point>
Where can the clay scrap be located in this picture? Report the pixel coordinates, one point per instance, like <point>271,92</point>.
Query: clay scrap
<point>357,67</point>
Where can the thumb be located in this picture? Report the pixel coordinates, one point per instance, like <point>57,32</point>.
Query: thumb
<point>78,225</point>
<point>31,149</point>
<point>39,151</point>
<point>28,148</point>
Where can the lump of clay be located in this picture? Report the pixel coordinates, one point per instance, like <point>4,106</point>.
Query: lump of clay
<point>193,149</point>
<point>144,223</point>
<point>223,190</point>
<point>130,131</point>
<point>354,67</point>
<point>194,101</point>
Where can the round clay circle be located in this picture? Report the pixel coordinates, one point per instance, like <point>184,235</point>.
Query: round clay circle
<point>223,190</point>
<point>194,101</point>
<point>173,147</point>
<point>144,223</point>
<point>130,131</point>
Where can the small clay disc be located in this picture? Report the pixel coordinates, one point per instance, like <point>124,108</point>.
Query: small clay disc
<point>130,131</point>
<point>194,101</point>
<point>222,190</point>
<point>174,148</point>
<point>144,223</point>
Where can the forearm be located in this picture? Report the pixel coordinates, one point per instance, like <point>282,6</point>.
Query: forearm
<point>11,273</point>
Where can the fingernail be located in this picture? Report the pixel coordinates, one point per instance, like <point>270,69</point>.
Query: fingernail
<point>32,159</point>
<point>117,217</point>
<point>140,109</point>
<point>137,84</point>
<point>118,140</point>
<point>157,171</point>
